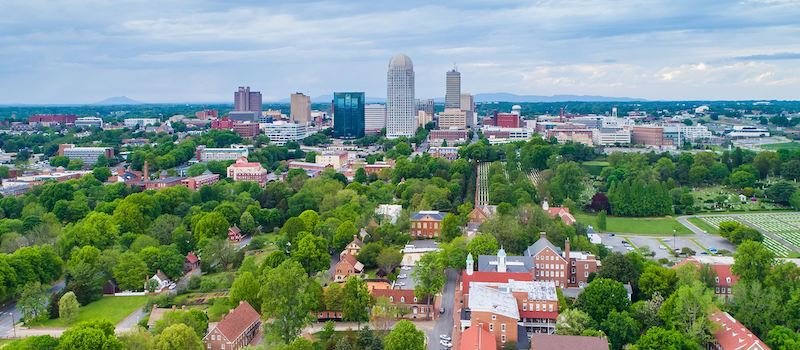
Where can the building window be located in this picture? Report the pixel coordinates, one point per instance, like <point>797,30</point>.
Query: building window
<point>391,299</point>
<point>502,327</point>
<point>524,307</point>
<point>550,308</point>
<point>728,280</point>
<point>502,338</point>
<point>586,274</point>
<point>402,299</point>
<point>491,327</point>
<point>415,299</point>
<point>537,306</point>
<point>716,280</point>
<point>494,317</point>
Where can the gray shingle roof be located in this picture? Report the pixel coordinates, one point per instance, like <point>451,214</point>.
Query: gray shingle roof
<point>436,215</point>
<point>539,245</point>
<point>488,263</point>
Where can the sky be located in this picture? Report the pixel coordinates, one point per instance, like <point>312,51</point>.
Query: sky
<point>83,51</point>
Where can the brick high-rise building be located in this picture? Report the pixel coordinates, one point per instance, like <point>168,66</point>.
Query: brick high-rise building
<point>300,108</point>
<point>452,96</point>
<point>246,100</point>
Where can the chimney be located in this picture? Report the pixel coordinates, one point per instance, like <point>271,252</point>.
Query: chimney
<point>146,175</point>
<point>566,249</point>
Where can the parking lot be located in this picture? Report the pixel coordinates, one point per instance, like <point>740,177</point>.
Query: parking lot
<point>663,245</point>
<point>404,279</point>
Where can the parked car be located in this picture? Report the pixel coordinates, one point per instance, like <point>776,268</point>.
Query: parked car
<point>401,276</point>
<point>445,337</point>
<point>446,343</point>
<point>441,311</point>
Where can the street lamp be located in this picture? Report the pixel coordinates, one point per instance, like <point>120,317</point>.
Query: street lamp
<point>674,238</point>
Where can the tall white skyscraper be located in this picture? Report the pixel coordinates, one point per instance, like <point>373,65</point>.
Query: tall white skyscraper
<point>400,104</point>
<point>452,96</point>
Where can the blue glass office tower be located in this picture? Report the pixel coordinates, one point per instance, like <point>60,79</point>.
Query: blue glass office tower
<point>348,115</point>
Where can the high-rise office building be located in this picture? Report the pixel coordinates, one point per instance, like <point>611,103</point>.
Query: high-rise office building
<point>452,96</point>
<point>467,102</point>
<point>374,118</point>
<point>400,111</point>
<point>426,105</point>
<point>246,100</point>
<point>348,114</point>
<point>300,109</point>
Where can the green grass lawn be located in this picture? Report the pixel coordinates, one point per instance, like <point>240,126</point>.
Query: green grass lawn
<point>703,225</point>
<point>785,145</point>
<point>113,309</point>
<point>4,342</point>
<point>599,163</point>
<point>646,226</point>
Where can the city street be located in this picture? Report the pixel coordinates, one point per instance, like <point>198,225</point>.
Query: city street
<point>444,324</point>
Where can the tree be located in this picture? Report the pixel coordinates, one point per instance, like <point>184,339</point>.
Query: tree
<point>567,182</point>
<point>211,225</point>
<point>90,335</point>
<point>404,336</point>
<point>195,319</point>
<point>760,307</point>
<point>312,253</point>
<point>781,337</point>
<point>179,336</point>
<point>658,338</point>
<point>245,287</point>
<point>85,274</point>
<point>791,170</point>
<point>657,279</point>
<point>621,329</point>
<point>451,227</point>
<point>247,223</point>
<point>130,272</point>
<point>780,192</point>
<point>483,244</point>
<point>165,258</point>
<point>137,339</point>
<point>68,307</point>
<point>356,302</point>
<point>573,322</point>
<point>368,255</point>
<point>32,302</point>
<point>601,220</point>
<point>388,259</point>
<point>429,275</point>
<point>602,296</point>
<point>287,302</point>
<point>361,176</point>
<point>344,234</point>
<point>752,261</point>
<point>688,310</point>
<point>624,268</point>
<point>102,173</point>
<point>742,179</point>
<point>40,342</point>
<point>383,312</point>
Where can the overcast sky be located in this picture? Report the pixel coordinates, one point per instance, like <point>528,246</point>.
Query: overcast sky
<point>83,51</point>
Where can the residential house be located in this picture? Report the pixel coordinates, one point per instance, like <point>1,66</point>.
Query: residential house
<point>482,213</point>
<point>346,267</point>
<point>162,281</point>
<point>560,212</point>
<point>732,335</point>
<point>411,307</point>
<point>724,279</point>
<point>191,262</point>
<point>353,248</point>
<point>235,234</point>
<point>236,330</point>
<point>567,342</point>
<point>426,224</point>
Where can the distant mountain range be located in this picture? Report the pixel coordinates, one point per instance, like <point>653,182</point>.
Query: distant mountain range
<point>509,97</point>
<point>118,100</point>
<point>503,97</point>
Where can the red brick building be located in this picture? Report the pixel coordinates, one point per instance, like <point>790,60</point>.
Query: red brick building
<point>426,224</point>
<point>194,183</point>
<point>243,170</point>
<point>52,119</point>
<point>347,266</point>
<point>246,129</point>
<point>222,124</point>
<point>477,338</point>
<point>724,279</point>
<point>648,135</point>
<point>236,330</point>
<point>507,120</point>
<point>562,342</point>
<point>413,308</point>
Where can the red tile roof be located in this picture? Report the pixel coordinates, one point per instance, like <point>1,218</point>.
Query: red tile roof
<point>541,341</point>
<point>722,271</point>
<point>732,335</point>
<point>563,213</point>
<point>192,258</point>
<point>238,321</point>
<point>477,338</point>
<point>489,276</point>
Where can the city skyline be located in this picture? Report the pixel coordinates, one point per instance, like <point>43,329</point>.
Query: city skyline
<point>656,50</point>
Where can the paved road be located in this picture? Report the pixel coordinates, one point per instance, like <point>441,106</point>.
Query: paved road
<point>444,325</point>
<point>131,321</point>
<point>11,308</point>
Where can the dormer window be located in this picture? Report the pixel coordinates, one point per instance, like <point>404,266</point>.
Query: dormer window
<point>415,299</point>
<point>391,299</point>
<point>728,280</point>
<point>716,280</point>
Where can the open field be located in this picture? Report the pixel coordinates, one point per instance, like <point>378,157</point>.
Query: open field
<point>113,309</point>
<point>648,226</point>
<point>784,227</point>
<point>703,225</point>
<point>792,146</point>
